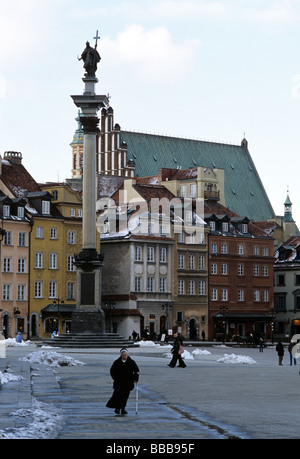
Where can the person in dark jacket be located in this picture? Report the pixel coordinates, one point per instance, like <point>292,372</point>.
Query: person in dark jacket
<point>125,373</point>
<point>280,351</point>
<point>176,352</point>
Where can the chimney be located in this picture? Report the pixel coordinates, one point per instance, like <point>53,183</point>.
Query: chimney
<point>13,156</point>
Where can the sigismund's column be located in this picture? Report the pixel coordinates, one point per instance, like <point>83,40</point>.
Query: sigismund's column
<point>88,316</point>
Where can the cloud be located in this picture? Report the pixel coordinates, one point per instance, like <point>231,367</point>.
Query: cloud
<point>151,54</point>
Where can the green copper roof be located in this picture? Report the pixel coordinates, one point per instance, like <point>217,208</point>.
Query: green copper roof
<point>244,191</point>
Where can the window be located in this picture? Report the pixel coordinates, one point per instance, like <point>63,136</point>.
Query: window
<point>266,295</point>
<point>181,288</point>
<point>181,261</point>
<point>72,213</point>
<point>265,271</point>
<point>138,253</point>
<point>150,284</point>
<point>193,191</point>
<point>240,270</point>
<point>241,295</point>
<point>71,290</point>
<point>256,295</point>
<point>244,228</point>
<point>21,292</point>
<point>38,260</point>
<point>255,250</point>
<point>22,239</point>
<point>265,251</point>
<point>53,233</point>
<point>38,289</point>
<point>71,237</point>
<point>6,211</point>
<point>202,287</point>
<point>39,232</point>
<point>52,289</point>
<point>191,261</point>
<point>214,268</point>
<point>21,265</point>
<point>214,294</point>
<point>224,294</point>
<point>212,225</point>
<point>8,238</point>
<point>162,254</point>
<point>183,191</point>
<point>53,261</point>
<point>201,262</point>
<point>224,248</point>
<point>224,269</point>
<point>225,227</point>
<point>6,292</point>
<point>20,212</point>
<point>256,270</point>
<point>240,250</point>
<point>138,284</point>
<point>281,280</point>
<point>7,265</point>
<point>80,213</point>
<point>297,279</point>
<point>214,248</point>
<point>181,238</point>
<point>46,207</point>
<point>191,287</point>
<point>55,195</point>
<point>162,284</point>
<point>71,265</point>
<point>150,253</point>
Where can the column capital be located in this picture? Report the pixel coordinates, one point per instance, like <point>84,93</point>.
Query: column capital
<point>89,124</point>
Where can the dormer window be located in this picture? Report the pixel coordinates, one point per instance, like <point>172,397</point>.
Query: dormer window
<point>212,225</point>
<point>225,227</point>
<point>21,212</point>
<point>6,211</point>
<point>46,207</point>
<point>244,228</point>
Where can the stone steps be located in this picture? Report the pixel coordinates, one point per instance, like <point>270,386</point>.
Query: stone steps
<point>88,340</point>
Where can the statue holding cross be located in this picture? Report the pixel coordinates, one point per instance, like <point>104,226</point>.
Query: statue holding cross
<point>91,58</point>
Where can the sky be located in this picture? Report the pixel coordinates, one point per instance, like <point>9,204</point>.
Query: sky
<point>216,70</point>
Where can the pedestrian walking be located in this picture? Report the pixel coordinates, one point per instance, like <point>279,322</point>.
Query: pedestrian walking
<point>290,349</point>
<point>280,352</point>
<point>177,351</point>
<point>261,344</point>
<point>125,373</point>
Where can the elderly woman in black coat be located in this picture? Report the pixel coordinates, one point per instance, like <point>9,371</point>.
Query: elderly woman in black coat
<point>125,374</point>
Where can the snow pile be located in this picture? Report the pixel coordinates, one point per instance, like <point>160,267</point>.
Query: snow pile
<point>43,421</point>
<point>201,352</point>
<point>146,344</point>
<point>7,377</point>
<point>11,342</point>
<point>233,358</point>
<point>51,358</point>
<point>186,355</point>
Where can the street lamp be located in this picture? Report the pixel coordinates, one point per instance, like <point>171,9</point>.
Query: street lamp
<point>58,311</point>
<point>224,310</point>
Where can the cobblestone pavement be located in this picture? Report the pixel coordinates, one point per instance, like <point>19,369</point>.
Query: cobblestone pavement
<point>206,400</point>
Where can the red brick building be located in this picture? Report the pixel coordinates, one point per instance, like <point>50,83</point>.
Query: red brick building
<point>240,276</point>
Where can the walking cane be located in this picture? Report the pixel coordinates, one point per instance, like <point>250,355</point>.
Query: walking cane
<point>136,397</point>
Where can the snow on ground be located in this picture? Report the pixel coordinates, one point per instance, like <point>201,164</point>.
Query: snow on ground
<point>7,377</point>
<point>233,358</point>
<point>11,342</point>
<point>51,358</point>
<point>44,421</point>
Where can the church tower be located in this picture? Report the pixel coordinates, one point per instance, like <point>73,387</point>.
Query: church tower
<point>288,223</point>
<point>77,150</point>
